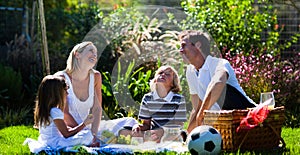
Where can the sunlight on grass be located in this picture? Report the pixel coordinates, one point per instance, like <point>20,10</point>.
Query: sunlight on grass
<point>292,139</point>
<point>12,138</point>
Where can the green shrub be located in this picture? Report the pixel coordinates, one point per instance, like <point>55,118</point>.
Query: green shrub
<point>10,86</point>
<point>13,110</point>
<point>123,93</point>
<point>24,58</point>
<point>235,24</point>
<point>11,117</point>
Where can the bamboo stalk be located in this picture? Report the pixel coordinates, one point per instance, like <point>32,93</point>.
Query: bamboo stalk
<point>45,55</point>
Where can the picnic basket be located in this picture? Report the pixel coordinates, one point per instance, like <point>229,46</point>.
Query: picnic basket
<point>264,136</point>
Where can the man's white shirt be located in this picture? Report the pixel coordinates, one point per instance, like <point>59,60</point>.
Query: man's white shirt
<point>198,80</point>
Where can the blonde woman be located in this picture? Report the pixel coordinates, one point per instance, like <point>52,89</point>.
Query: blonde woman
<point>84,95</point>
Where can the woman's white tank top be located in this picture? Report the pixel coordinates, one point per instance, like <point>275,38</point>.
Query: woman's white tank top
<point>77,108</point>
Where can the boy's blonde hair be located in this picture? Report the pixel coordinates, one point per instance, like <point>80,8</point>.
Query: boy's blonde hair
<point>176,82</point>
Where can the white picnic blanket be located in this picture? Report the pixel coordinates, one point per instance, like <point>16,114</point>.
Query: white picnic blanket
<point>36,147</point>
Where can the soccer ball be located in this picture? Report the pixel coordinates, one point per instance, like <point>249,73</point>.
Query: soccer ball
<point>204,140</point>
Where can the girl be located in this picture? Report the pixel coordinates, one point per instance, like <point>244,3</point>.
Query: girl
<point>48,116</point>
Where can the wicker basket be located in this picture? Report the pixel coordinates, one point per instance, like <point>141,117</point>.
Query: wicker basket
<point>265,136</point>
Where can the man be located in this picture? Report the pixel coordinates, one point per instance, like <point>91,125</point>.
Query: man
<point>212,81</point>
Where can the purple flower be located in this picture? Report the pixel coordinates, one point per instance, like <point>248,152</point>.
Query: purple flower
<point>290,70</point>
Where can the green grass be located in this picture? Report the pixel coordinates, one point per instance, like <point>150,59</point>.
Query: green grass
<point>12,138</point>
<point>292,139</point>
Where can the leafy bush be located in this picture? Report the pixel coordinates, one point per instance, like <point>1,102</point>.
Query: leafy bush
<point>12,109</point>
<point>234,24</point>
<point>21,49</point>
<point>11,117</point>
<point>108,101</point>
<point>78,19</point>
<point>20,80</point>
<point>122,98</point>
<point>24,57</point>
<point>10,86</point>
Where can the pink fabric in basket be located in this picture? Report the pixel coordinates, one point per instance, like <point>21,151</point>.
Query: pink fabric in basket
<point>254,117</point>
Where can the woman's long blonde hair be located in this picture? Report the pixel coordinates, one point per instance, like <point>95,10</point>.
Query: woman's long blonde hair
<point>72,62</point>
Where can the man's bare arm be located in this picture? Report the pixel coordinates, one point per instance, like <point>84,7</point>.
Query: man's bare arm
<point>213,93</point>
<point>196,102</point>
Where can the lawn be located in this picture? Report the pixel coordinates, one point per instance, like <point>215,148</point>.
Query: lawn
<point>11,139</point>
